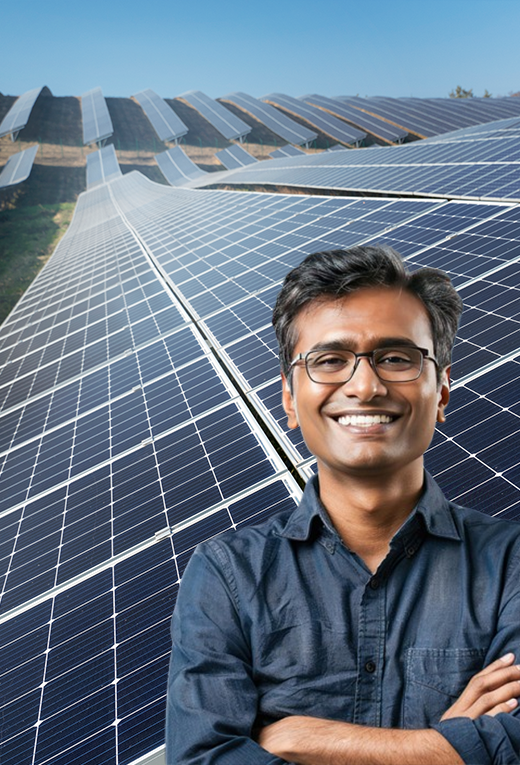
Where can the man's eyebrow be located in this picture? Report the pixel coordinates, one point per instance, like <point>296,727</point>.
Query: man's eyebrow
<point>347,344</point>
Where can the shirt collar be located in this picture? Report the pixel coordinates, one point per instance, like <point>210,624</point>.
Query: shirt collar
<point>432,506</point>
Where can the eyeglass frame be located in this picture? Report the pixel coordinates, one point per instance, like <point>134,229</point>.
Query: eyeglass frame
<point>425,354</point>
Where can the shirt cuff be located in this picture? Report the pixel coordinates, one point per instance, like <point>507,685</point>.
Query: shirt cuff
<point>462,734</point>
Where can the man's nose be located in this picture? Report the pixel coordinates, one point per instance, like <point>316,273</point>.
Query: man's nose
<point>364,383</point>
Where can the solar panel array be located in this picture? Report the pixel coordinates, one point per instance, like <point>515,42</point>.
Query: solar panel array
<point>18,167</point>
<point>482,162</point>
<point>277,122</point>
<point>97,125</point>
<point>19,113</point>
<point>177,167</point>
<point>373,125</point>
<point>102,166</point>
<point>140,414</point>
<point>167,125</point>
<point>235,156</point>
<point>426,117</point>
<point>228,124</point>
<point>288,151</point>
<point>322,121</point>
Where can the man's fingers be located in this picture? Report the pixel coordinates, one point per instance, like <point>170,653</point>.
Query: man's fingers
<point>506,660</point>
<point>502,699</point>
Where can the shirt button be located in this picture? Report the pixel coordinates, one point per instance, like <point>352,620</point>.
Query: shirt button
<point>410,551</point>
<point>374,583</point>
<point>370,667</point>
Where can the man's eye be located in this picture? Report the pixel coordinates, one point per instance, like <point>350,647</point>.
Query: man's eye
<point>394,358</point>
<point>329,360</point>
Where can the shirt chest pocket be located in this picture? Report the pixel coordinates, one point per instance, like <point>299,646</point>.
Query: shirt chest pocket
<point>434,679</point>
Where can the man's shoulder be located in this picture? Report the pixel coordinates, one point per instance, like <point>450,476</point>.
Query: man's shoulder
<point>492,530</point>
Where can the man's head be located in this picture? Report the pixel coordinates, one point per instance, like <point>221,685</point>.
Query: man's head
<point>338,273</point>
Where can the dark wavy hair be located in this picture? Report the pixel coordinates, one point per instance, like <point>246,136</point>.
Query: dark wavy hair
<point>337,273</point>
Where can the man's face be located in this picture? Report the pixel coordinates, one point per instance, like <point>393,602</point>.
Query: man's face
<point>399,418</point>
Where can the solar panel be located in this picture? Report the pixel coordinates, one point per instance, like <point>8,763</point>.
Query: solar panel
<point>18,167</point>
<point>324,122</point>
<point>141,414</point>
<point>177,167</point>
<point>167,125</point>
<point>235,156</point>
<point>102,166</point>
<point>97,125</point>
<point>289,151</point>
<point>280,125</point>
<point>228,124</point>
<point>376,127</point>
<point>482,162</point>
<point>19,113</point>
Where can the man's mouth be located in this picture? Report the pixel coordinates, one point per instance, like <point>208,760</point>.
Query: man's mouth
<point>365,420</point>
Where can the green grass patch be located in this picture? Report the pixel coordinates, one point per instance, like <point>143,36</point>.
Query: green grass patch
<point>28,236</point>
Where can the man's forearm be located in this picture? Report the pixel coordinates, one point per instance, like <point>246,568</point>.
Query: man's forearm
<point>313,741</point>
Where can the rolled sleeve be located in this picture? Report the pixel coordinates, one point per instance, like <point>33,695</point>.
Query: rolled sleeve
<point>484,741</point>
<point>212,699</point>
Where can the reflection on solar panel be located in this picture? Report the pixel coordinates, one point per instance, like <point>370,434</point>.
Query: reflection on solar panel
<point>18,167</point>
<point>19,113</point>
<point>482,162</point>
<point>134,375</point>
<point>280,125</point>
<point>235,156</point>
<point>177,167</point>
<point>326,123</point>
<point>289,151</point>
<point>166,124</point>
<point>97,125</point>
<point>102,166</point>
<point>227,123</point>
<point>376,127</point>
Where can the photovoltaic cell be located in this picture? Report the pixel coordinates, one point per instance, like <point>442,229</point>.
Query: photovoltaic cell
<point>97,124</point>
<point>167,125</point>
<point>18,167</point>
<point>19,113</point>
<point>228,124</point>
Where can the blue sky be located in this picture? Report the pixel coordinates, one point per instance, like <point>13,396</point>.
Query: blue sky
<point>339,47</point>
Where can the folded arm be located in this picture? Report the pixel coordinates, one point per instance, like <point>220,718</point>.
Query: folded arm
<point>313,741</point>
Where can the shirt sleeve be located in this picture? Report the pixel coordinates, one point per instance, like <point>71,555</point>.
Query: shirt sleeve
<point>212,698</point>
<point>493,740</point>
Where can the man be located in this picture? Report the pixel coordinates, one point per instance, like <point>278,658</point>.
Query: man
<point>378,622</point>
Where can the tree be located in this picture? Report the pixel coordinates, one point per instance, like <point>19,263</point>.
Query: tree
<point>487,94</point>
<point>461,93</point>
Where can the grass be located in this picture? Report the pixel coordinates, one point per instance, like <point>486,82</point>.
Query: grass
<point>28,237</point>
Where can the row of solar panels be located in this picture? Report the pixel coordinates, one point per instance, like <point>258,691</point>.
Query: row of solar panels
<point>344,119</point>
<point>134,375</point>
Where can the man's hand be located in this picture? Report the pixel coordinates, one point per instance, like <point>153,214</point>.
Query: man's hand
<point>495,689</point>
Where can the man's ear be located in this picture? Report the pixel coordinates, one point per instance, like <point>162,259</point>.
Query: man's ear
<point>288,404</point>
<point>444,394</point>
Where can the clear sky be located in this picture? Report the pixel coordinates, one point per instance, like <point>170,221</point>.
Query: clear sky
<point>337,47</point>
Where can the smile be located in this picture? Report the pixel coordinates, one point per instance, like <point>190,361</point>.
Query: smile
<point>365,420</point>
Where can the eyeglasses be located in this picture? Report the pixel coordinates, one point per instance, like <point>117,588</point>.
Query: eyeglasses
<point>397,364</point>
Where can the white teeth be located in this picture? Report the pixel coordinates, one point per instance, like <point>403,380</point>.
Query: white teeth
<point>364,420</point>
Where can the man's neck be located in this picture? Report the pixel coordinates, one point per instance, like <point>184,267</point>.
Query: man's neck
<point>367,511</point>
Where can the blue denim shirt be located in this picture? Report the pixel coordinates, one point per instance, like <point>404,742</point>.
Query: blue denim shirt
<point>282,619</point>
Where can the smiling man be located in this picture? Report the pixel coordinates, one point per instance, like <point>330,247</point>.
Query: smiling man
<point>378,622</point>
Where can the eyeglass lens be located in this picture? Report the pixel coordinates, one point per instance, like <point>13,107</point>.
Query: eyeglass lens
<point>390,364</point>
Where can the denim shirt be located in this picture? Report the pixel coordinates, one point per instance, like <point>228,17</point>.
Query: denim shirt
<point>283,619</point>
